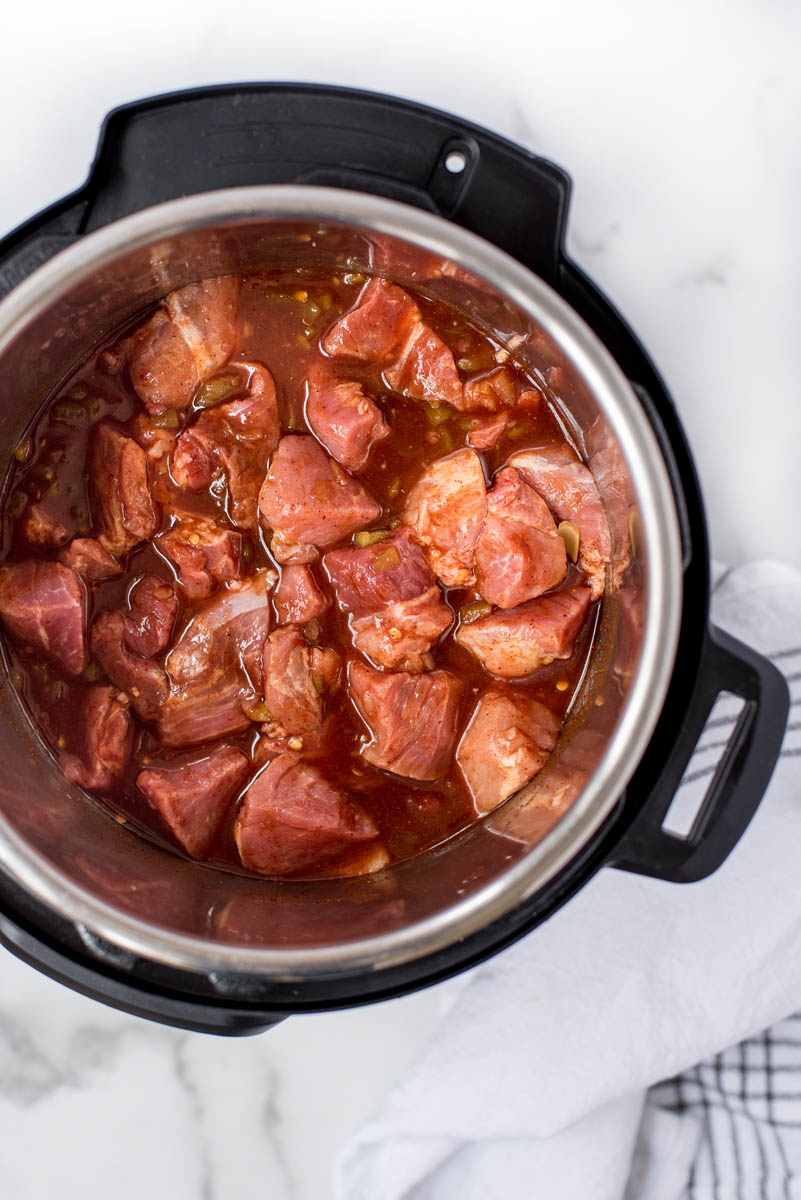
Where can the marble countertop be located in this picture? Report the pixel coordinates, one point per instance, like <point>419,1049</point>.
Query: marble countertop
<point>679,124</point>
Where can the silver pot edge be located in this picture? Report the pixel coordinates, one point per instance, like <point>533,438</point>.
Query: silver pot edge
<point>660,531</point>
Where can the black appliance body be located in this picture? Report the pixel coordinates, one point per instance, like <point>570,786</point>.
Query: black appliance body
<point>234,136</point>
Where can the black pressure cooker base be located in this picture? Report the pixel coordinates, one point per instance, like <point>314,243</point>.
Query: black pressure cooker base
<point>239,135</point>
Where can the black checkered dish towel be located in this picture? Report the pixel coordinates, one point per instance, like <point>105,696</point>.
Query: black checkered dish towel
<point>730,1127</point>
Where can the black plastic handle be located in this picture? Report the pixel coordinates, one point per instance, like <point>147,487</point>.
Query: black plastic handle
<point>242,134</point>
<point>741,777</point>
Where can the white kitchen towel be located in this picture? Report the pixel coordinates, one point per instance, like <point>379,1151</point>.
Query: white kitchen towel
<point>534,1084</point>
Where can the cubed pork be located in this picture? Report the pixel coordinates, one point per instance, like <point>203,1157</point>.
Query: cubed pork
<point>611,473</point>
<point>43,605</point>
<point>308,498</point>
<point>293,819</point>
<point>343,417</point>
<point>519,554</point>
<point>195,797</point>
<point>396,610</point>
<point>572,494</point>
<point>184,342</point>
<point>107,741</point>
<point>412,719</point>
<point>214,667</point>
<point>507,741</point>
<point>297,598</point>
<point>446,509</point>
<point>498,390</point>
<point>237,437</point>
<point>202,551</point>
<point>377,327</point>
<point>486,431</point>
<point>143,680</point>
<point>425,369</point>
<point>386,328</point>
<point>125,510</point>
<point>41,529</point>
<point>292,686</point>
<point>152,610</point>
<point>518,641</point>
<point>90,560</point>
<point>227,632</point>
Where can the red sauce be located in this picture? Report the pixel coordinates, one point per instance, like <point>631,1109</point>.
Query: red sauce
<point>282,331</point>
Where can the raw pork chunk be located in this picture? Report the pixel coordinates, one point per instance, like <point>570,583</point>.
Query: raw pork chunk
<point>195,797</point>
<point>43,604</point>
<point>297,598</point>
<point>108,742</point>
<point>343,417</point>
<point>386,327</point>
<point>519,554</point>
<point>292,819</point>
<point>572,494</point>
<point>507,741</point>
<point>126,512</point>
<point>412,719</point>
<point>518,641</point>
<point>238,438</point>
<point>396,610</point>
<point>309,499</point>
<point>184,342</point>
<point>446,509</point>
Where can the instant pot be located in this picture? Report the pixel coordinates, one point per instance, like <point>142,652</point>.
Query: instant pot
<point>255,177</point>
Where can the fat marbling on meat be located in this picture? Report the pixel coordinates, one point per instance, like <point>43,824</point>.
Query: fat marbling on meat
<point>43,605</point>
<point>185,341</point>
<point>396,611</point>
<point>412,718</point>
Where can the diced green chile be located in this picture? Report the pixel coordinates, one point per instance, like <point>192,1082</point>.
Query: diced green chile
<point>218,389</point>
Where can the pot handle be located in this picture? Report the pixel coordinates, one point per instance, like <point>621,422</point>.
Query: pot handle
<point>231,136</point>
<point>739,781</point>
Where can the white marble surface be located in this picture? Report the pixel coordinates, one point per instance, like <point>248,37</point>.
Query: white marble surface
<point>679,123</point>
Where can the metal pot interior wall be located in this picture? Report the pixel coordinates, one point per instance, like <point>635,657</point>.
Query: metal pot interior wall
<point>79,838</point>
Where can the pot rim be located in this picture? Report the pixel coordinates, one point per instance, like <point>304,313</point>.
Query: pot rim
<point>609,386</point>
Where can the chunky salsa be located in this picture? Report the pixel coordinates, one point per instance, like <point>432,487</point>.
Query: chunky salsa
<point>300,573</point>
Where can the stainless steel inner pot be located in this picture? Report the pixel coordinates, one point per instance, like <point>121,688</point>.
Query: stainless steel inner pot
<point>68,852</point>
